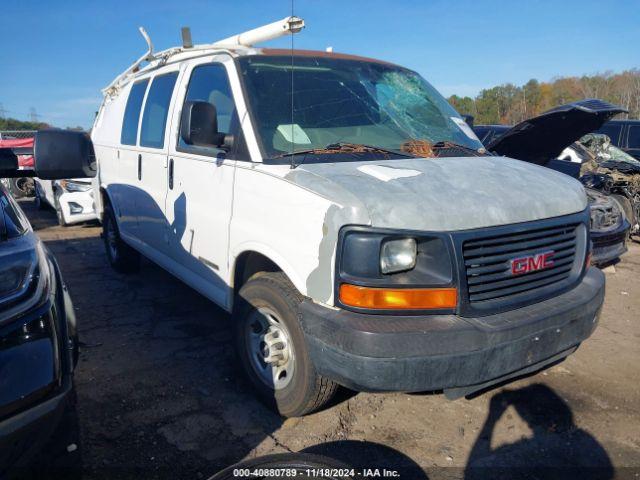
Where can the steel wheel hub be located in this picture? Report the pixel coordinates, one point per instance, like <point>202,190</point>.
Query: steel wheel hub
<point>269,348</point>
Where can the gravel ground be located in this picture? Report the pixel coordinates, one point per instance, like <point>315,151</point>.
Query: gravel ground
<point>159,395</point>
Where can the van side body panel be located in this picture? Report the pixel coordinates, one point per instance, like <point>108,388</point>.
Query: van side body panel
<point>293,226</point>
<point>113,170</point>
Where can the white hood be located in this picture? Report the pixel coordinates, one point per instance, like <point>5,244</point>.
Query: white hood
<point>444,194</point>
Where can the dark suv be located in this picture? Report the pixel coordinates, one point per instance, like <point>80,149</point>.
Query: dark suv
<point>38,340</point>
<point>624,134</point>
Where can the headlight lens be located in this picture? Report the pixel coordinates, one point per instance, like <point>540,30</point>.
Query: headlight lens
<point>605,212</point>
<point>381,270</point>
<point>23,280</point>
<point>398,255</point>
<point>71,186</point>
<point>17,272</point>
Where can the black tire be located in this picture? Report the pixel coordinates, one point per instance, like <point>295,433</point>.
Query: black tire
<point>19,187</point>
<point>37,200</point>
<point>300,463</point>
<point>121,256</point>
<point>305,390</point>
<point>59,215</point>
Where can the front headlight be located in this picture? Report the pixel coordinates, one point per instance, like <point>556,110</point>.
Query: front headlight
<point>398,255</point>
<point>71,186</point>
<point>23,278</point>
<point>18,270</point>
<point>604,211</point>
<point>379,270</point>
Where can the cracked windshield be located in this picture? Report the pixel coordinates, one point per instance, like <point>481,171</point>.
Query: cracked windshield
<point>339,101</point>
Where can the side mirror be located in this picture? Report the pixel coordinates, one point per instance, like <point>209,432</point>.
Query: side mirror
<point>199,125</point>
<point>63,154</point>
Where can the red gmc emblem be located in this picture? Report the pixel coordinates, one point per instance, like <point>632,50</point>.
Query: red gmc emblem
<point>539,261</point>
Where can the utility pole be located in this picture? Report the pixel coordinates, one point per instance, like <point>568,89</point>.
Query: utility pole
<point>2,111</point>
<point>33,116</point>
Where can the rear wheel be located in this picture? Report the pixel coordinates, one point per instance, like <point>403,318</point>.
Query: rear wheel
<point>272,348</point>
<point>21,187</point>
<point>121,256</point>
<point>39,203</point>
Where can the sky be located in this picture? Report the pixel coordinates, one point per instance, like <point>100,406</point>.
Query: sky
<point>57,56</point>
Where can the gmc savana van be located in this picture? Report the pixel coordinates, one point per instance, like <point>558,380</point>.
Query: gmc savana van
<point>348,218</point>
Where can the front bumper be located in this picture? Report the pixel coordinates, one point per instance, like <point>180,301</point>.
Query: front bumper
<point>608,246</point>
<point>22,436</point>
<point>447,352</point>
<point>78,207</point>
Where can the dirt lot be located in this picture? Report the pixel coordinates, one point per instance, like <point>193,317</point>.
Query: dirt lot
<point>159,395</point>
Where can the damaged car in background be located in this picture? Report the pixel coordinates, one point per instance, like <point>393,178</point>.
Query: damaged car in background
<point>611,170</point>
<point>72,199</point>
<point>549,140</point>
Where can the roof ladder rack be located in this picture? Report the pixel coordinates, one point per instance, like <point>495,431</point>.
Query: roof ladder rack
<point>286,26</point>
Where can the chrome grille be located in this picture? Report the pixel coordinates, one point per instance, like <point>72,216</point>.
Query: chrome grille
<point>487,261</point>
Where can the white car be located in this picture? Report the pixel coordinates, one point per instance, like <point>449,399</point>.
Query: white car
<point>73,199</point>
<point>346,216</point>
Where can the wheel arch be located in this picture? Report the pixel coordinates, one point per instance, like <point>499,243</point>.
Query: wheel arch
<point>256,259</point>
<point>105,199</point>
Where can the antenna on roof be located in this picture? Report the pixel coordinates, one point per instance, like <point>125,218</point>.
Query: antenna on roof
<point>149,55</point>
<point>286,26</point>
<point>186,38</point>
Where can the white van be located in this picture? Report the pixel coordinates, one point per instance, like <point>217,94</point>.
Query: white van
<point>356,229</point>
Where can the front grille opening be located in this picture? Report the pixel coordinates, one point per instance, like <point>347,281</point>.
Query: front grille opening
<point>488,261</point>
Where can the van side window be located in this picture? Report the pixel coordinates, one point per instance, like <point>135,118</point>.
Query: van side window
<point>209,83</point>
<point>129,133</point>
<point>156,108</point>
<point>634,136</point>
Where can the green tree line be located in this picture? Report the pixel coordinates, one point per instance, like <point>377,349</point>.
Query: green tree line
<point>13,124</point>
<point>510,104</point>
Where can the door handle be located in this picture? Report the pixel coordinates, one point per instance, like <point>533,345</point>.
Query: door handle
<point>139,167</point>
<point>171,174</point>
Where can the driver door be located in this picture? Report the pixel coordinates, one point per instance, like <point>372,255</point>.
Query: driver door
<point>200,187</point>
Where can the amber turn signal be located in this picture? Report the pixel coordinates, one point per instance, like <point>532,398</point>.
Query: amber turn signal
<point>399,298</point>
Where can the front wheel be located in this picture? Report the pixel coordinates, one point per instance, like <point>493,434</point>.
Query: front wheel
<point>272,348</point>
<point>121,256</point>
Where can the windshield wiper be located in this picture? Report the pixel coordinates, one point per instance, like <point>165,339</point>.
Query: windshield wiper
<point>343,147</point>
<point>447,144</point>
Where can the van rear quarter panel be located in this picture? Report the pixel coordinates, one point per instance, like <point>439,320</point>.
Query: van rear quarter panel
<point>289,225</point>
<point>106,140</point>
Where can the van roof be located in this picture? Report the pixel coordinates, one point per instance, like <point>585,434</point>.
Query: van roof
<point>180,54</point>
<point>319,53</point>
